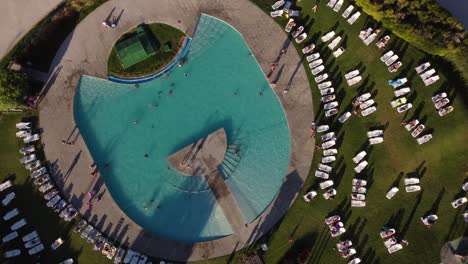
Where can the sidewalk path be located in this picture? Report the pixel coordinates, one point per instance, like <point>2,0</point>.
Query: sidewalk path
<point>86,51</point>
<point>18,17</point>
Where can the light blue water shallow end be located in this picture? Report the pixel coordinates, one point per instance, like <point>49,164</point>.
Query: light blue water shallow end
<point>221,90</point>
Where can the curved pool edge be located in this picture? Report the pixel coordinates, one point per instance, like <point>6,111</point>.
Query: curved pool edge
<point>82,54</point>
<point>158,74</point>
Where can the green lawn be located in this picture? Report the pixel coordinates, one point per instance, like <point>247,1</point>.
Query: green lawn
<point>166,35</point>
<point>32,206</point>
<point>441,163</point>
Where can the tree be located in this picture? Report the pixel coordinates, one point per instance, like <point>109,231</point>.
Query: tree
<point>12,85</point>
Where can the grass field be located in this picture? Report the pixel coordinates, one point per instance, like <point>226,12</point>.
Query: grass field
<point>441,164</point>
<point>32,206</point>
<point>164,34</point>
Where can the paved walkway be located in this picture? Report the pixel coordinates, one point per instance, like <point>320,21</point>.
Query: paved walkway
<point>18,17</point>
<point>86,52</point>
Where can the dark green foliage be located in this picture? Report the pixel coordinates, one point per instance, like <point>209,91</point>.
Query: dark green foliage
<point>12,85</point>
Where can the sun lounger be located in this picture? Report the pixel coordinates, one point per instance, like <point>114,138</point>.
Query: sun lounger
<point>347,11</point>
<point>11,214</point>
<point>328,36</point>
<point>301,38</point>
<point>60,205</point>
<point>328,159</point>
<point>386,56</point>
<point>445,110</point>
<point>309,196</point>
<point>412,124</point>
<point>355,203</point>
<point>12,253</point>
<point>338,5</point>
<point>278,4</point>
<point>18,225</point>
<point>38,173</point>
<point>344,117</point>
<point>87,230</point>
<point>458,202</point>
<point>46,187</point>
<point>80,225</point>
<point>331,3</point>
<point>409,181</point>
<point>355,261</point>
<point>27,150</point>
<point>375,133</point>
<point>388,233</point>
<point>338,232</point>
<point>418,130</point>
<point>431,80</point>
<point>361,98</point>
<point>334,43</point>
<point>338,52</point>
<point>5,185</point>
<point>327,98</point>
<point>361,190</point>
<point>290,25</point>
<point>129,256</point>
<point>354,80</point>
<point>359,182</point>
<point>382,42</point>
<point>53,201</point>
<point>119,255</point>
<point>436,98</point>
<point>325,184</point>
<point>143,259</point>
<point>413,188</point>
<point>287,6</point>
<point>67,261</point>
<point>395,67</point>
<point>398,102</point>
<point>360,166</point>
<point>50,194</point>
<point>327,91</point>
<point>330,105</point>
<point>23,134</point>
<point>366,104</point>
<point>10,237</point>
<point>363,34</point>
<point>391,60</point>
<point>398,82</point>
<point>394,248</point>
<point>331,112</point>
<point>135,258</point>
<point>93,236</point>
<point>325,168</point>
<point>32,243</point>
<point>429,220</point>
<point>358,197</point>
<point>330,152</point>
<point>36,249</point>
<point>100,242</point>
<point>318,70</point>
<point>322,128</point>
<point>327,136</point>
<point>402,91</point>
<point>370,39</point>
<point>28,159</point>
<point>390,242</point>
<point>391,193</point>
<point>404,108</point>
<point>297,32</point>
<point>359,157</point>
<point>354,17</point>
<point>321,78</point>
<point>8,198</point>
<point>348,253</point>
<point>351,74</point>
<point>308,49</point>
<point>32,138</point>
<point>293,13</point>
<point>30,236</point>
<point>424,139</point>
<point>422,67</point>
<point>329,194</point>
<point>23,125</point>
<point>312,57</point>
<point>33,165</point>
<point>276,13</point>
<point>315,63</point>
<point>332,219</point>
<point>441,103</point>
<point>427,74</point>
<point>369,111</point>
<point>70,214</point>
<point>375,140</point>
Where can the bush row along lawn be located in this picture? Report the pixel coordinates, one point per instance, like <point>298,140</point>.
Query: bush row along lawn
<point>441,163</point>
<point>164,34</point>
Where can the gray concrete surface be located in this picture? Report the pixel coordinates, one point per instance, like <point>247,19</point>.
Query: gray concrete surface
<point>20,16</point>
<point>86,51</point>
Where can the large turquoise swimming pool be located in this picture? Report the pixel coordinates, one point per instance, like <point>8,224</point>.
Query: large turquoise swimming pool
<point>218,87</point>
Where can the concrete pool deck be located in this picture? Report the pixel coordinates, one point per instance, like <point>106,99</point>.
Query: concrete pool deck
<point>86,51</point>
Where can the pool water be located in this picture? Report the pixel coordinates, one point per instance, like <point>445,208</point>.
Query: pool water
<point>218,87</point>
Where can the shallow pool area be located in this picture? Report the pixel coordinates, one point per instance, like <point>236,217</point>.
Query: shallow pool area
<point>220,86</point>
